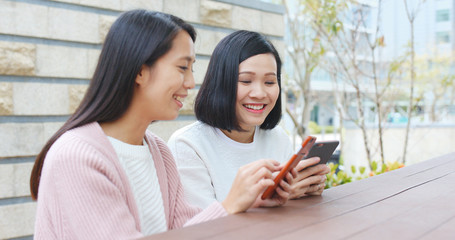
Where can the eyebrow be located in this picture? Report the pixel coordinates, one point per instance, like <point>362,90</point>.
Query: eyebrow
<point>253,73</point>
<point>188,58</point>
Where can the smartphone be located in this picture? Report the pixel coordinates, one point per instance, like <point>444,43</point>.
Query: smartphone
<point>295,159</point>
<point>324,150</point>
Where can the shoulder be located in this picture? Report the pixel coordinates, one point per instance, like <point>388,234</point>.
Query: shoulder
<point>86,139</point>
<point>81,150</point>
<point>188,130</point>
<point>194,132</point>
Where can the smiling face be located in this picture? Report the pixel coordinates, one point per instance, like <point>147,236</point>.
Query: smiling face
<point>162,87</point>
<point>257,90</point>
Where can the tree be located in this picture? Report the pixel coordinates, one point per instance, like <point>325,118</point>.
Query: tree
<point>305,48</point>
<point>434,83</point>
<point>411,13</point>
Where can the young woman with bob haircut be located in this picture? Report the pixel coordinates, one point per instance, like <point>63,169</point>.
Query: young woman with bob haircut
<point>103,175</point>
<point>238,108</point>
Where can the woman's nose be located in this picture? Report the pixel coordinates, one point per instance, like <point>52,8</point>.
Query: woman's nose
<point>188,82</point>
<point>258,91</point>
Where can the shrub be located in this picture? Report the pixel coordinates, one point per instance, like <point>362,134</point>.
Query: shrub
<point>335,178</point>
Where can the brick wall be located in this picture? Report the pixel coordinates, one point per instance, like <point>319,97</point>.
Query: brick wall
<point>48,51</point>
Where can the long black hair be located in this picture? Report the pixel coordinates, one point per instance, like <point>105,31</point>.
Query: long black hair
<point>136,38</point>
<point>215,101</point>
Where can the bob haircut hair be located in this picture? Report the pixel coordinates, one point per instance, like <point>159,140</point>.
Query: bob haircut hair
<point>136,38</point>
<point>216,99</point>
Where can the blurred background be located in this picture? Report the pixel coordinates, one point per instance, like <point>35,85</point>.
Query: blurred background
<point>376,75</point>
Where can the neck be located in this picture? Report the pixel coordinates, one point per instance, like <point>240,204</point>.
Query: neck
<point>241,136</point>
<point>126,129</point>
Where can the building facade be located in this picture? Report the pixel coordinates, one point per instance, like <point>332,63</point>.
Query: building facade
<point>48,52</point>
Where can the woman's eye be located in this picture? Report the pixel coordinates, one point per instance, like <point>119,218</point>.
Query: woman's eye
<point>270,82</point>
<point>184,68</point>
<point>245,81</point>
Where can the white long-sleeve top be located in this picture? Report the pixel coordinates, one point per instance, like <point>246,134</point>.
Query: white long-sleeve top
<point>137,161</point>
<point>208,160</point>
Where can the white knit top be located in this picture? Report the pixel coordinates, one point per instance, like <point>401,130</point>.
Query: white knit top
<point>137,161</point>
<point>208,160</point>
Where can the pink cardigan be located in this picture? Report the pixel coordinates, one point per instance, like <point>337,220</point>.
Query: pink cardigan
<point>85,194</point>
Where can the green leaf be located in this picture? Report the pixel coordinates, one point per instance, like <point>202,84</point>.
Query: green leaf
<point>374,166</point>
<point>353,169</point>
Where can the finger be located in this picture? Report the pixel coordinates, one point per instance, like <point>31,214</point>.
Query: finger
<point>306,163</point>
<point>313,188</point>
<point>321,169</point>
<point>252,168</point>
<point>285,186</point>
<point>294,173</point>
<point>319,189</point>
<point>281,195</point>
<point>260,174</point>
<point>323,179</point>
<point>315,170</point>
<point>307,182</point>
<point>289,178</point>
<point>306,173</point>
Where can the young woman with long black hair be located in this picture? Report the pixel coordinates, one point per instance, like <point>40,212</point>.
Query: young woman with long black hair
<point>103,175</point>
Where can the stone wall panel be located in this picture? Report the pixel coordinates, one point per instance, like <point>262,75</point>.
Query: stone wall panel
<point>17,220</point>
<point>23,19</point>
<point>17,58</point>
<point>272,24</point>
<point>200,68</point>
<point>6,98</point>
<point>21,139</point>
<point>153,5</point>
<point>186,10</point>
<point>215,13</point>
<point>207,41</point>
<point>73,25</point>
<point>40,99</point>
<point>63,62</point>
<point>105,23</point>
<point>76,93</point>
<point>14,180</point>
<point>246,19</point>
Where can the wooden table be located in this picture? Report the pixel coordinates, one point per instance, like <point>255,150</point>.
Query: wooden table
<point>414,202</point>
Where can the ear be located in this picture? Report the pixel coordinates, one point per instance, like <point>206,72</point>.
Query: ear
<point>142,75</point>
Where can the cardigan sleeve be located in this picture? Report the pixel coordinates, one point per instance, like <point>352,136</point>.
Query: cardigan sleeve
<point>181,212</point>
<point>82,197</point>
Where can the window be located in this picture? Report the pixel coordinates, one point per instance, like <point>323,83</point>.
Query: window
<point>442,37</point>
<point>442,15</point>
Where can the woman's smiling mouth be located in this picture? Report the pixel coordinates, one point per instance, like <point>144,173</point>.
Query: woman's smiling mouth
<point>256,108</point>
<point>179,100</point>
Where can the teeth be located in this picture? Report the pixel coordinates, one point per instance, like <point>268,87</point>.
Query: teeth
<point>178,98</point>
<point>255,107</point>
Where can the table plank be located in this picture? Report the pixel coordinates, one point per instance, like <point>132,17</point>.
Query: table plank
<point>395,217</point>
<point>361,209</point>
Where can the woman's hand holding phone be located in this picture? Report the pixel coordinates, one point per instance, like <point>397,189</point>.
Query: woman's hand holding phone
<point>308,178</point>
<point>250,182</point>
<point>280,197</point>
<point>289,166</point>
